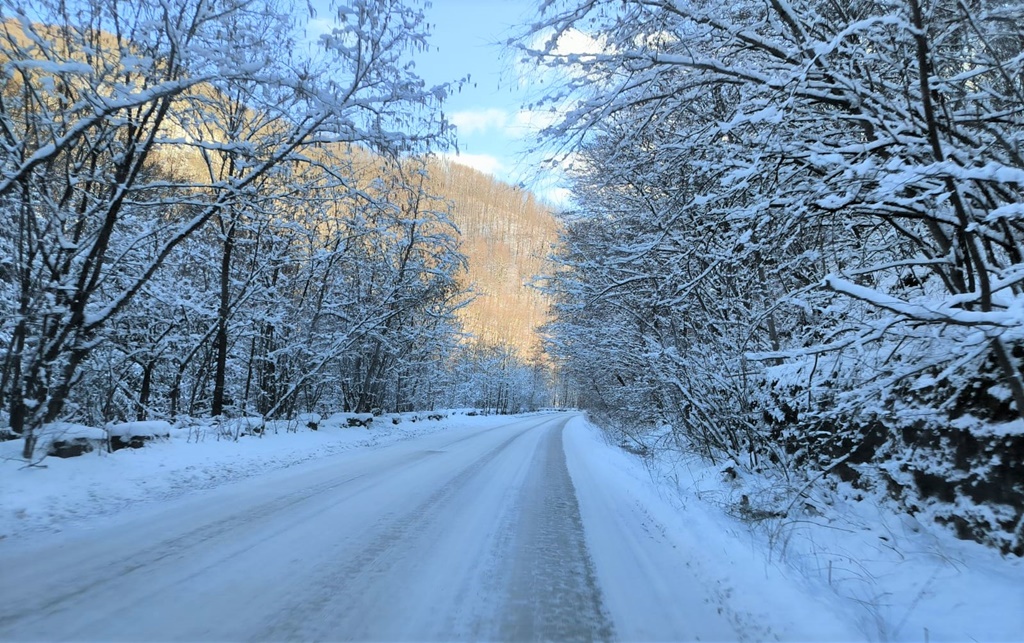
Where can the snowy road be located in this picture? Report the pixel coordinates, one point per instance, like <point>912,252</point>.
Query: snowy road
<point>457,535</point>
<point>473,533</point>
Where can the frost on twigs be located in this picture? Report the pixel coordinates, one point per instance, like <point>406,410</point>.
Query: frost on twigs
<point>205,212</point>
<point>796,238</point>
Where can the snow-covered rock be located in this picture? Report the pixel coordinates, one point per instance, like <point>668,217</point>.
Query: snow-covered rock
<point>148,428</point>
<point>350,419</point>
<point>360,419</point>
<point>136,434</point>
<point>67,440</point>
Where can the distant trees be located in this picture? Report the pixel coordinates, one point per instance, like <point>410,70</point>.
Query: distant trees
<point>508,234</point>
<point>495,378</point>
<point>799,228</point>
<point>188,219</point>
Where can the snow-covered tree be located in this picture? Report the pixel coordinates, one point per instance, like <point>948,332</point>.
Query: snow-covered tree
<point>107,110</point>
<point>798,229</point>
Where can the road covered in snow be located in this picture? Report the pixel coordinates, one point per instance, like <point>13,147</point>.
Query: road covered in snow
<point>528,529</point>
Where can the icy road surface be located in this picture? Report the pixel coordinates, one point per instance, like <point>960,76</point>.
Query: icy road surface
<point>467,534</point>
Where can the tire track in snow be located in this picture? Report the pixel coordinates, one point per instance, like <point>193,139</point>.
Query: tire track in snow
<point>370,564</point>
<point>553,592</point>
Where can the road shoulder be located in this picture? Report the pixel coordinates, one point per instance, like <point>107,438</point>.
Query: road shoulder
<point>651,557</point>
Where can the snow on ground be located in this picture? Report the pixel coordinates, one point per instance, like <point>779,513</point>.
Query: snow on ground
<point>61,492</point>
<point>887,575</point>
<point>836,568</point>
<point>699,557</point>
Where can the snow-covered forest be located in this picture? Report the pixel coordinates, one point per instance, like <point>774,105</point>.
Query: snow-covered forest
<point>774,339</point>
<point>799,239</point>
<point>195,229</point>
<point>794,247</point>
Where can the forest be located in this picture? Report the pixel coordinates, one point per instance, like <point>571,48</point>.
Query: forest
<point>795,243</point>
<point>798,240</point>
<point>193,230</point>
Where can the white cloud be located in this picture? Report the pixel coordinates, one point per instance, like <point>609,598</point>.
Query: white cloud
<point>570,42</point>
<point>558,197</point>
<point>575,42</point>
<point>565,59</point>
<point>528,122</point>
<point>481,120</point>
<point>519,124</point>
<point>481,162</point>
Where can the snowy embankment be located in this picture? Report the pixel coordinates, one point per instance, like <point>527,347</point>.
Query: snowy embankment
<point>60,492</point>
<point>699,556</point>
<point>887,575</point>
<point>661,532</point>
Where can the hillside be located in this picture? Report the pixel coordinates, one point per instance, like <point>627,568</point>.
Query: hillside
<point>507,236</point>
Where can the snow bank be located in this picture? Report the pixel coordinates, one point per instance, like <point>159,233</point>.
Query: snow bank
<point>58,493</point>
<point>890,576</point>
<point>700,556</point>
<point>235,427</point>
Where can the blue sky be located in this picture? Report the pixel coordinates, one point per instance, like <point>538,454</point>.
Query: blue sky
<point>467,37</point>
<point>494,131</point>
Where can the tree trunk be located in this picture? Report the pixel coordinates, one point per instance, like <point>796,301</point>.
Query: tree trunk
<point>142,412</point>
<point>221,339</point>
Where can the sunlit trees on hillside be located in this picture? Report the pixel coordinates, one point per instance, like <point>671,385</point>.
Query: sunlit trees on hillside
<point>507,235</point>
<point>161,168</point>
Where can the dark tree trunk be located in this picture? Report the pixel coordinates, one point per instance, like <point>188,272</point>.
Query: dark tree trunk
<point>221,339</point>
<point>141,412</point>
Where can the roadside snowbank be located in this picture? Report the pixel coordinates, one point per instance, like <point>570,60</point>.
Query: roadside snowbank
<point>701,557</point>
<point>60,492</point>
<point>889,576</point>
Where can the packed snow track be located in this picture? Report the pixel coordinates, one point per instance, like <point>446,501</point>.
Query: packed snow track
<point>472,533</point>
<point>476,535</point>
